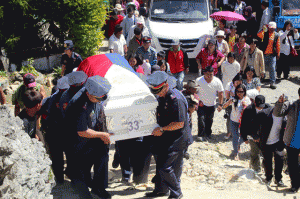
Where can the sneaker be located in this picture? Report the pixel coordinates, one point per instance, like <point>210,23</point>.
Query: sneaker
<point>176,197</point>
<point>272,86</point>
<point>268,183</point>
<point>186,155</point>
<point>200,139</point>
<point>279,183</point>
<point>102,194</point>
<point>155,194</point>
<point>293,190</point>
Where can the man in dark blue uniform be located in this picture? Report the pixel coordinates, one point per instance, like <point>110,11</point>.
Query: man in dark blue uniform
<point>86,120</point>
<point>70,59</point>
<point>51,123</point>
<point>171,138</point>
<point>76,81</point>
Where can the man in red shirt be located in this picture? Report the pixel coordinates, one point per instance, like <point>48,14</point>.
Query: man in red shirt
<point>178,61</point>
<point>114,20</point>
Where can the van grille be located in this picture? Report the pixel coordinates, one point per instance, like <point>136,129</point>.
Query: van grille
<point>187,44</point>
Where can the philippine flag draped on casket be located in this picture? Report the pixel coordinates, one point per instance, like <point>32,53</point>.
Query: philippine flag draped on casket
<point>130,108</point>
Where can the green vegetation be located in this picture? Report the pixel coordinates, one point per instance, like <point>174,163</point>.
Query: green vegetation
<point>29,68</point>
<point>35,28</point>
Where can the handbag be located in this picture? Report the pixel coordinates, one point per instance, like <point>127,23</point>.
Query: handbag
<point>293,50</point>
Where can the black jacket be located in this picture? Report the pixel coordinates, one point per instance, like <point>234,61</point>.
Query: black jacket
<point>248,121</point>
<point>264,125</point>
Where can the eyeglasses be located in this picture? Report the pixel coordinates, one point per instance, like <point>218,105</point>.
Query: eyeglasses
<point>240,91</point>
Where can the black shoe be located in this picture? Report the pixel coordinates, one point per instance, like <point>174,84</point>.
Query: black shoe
<point>293,190</point>
<point>175,197</point>
<point>208,137</point>
<point>102,194</point>
<point>279,183</point>
<point>155,194</point>
<point>186,155</point>
<point>115,163</point>
<point>272,86</point>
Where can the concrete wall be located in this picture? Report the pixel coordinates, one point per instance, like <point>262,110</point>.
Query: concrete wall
<point>40,64</point>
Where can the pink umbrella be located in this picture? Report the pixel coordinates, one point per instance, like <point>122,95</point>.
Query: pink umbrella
<point>227,15</point>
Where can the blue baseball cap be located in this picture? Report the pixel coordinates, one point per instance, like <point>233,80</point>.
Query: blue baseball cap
<point>68,44</point>
<point>76,77</point>
<point>158,79</point>
<point>97,86</point>
<point>63,83</point>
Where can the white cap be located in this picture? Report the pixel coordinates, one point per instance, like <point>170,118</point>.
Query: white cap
<point>221,33</point>
<point>140,20</point>
<point>252,93</point>
<point>272,24</point>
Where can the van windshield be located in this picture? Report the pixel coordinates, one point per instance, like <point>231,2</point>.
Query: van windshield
<point>176,10</point>
<point>290,8</point>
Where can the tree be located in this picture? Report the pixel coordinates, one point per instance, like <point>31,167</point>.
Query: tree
<point>36,28</point>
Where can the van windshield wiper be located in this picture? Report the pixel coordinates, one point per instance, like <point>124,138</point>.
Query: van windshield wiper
<point>159,18</point>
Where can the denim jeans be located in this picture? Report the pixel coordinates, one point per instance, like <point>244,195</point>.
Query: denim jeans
<point>236,139</point>
<point>179,77</point>
<point>270,62</point>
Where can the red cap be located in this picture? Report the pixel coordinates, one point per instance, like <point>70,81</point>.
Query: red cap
<point>29,80</point>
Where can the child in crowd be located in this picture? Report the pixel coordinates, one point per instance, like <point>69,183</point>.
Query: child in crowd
<point>33,102</point>
<point>161,55</point>
<point>2,96</point>
<point>135,61</point>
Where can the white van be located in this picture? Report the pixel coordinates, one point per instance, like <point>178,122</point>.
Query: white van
<point>186,20</point>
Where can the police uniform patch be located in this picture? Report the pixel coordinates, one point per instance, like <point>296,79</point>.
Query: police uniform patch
<point>92,114</point>
<point>65,61</point>
<point>57,105</point>
<point>65,106</point>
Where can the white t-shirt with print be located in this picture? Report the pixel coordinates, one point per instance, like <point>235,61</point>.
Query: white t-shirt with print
<point>208,92</point>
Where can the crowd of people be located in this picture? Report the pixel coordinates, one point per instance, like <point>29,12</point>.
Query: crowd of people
<point>232,65</point>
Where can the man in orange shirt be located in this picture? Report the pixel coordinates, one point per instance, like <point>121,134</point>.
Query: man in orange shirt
<point>270,45</point>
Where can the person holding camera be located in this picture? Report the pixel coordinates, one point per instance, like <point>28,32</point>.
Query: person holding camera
<point>239,103</point>
<point>287,36</point>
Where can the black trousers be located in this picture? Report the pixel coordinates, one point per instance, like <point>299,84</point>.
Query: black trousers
<point>205,120</point>
<point>293,165</point>
<point>55,149</point>
<point>168,172</point>
<point>92,153</point>
<point>283,65</point>
<point>268,152</point>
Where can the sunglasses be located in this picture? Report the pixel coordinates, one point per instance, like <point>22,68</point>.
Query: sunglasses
<point>240,91</point>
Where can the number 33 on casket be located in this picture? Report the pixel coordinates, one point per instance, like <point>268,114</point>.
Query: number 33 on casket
<point>130,108</point>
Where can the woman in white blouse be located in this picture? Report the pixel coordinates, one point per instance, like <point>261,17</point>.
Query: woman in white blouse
<point>287,37</point>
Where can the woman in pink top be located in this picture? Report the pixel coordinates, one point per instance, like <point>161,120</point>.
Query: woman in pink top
<point>135,62</point>
<point>210,56</point>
